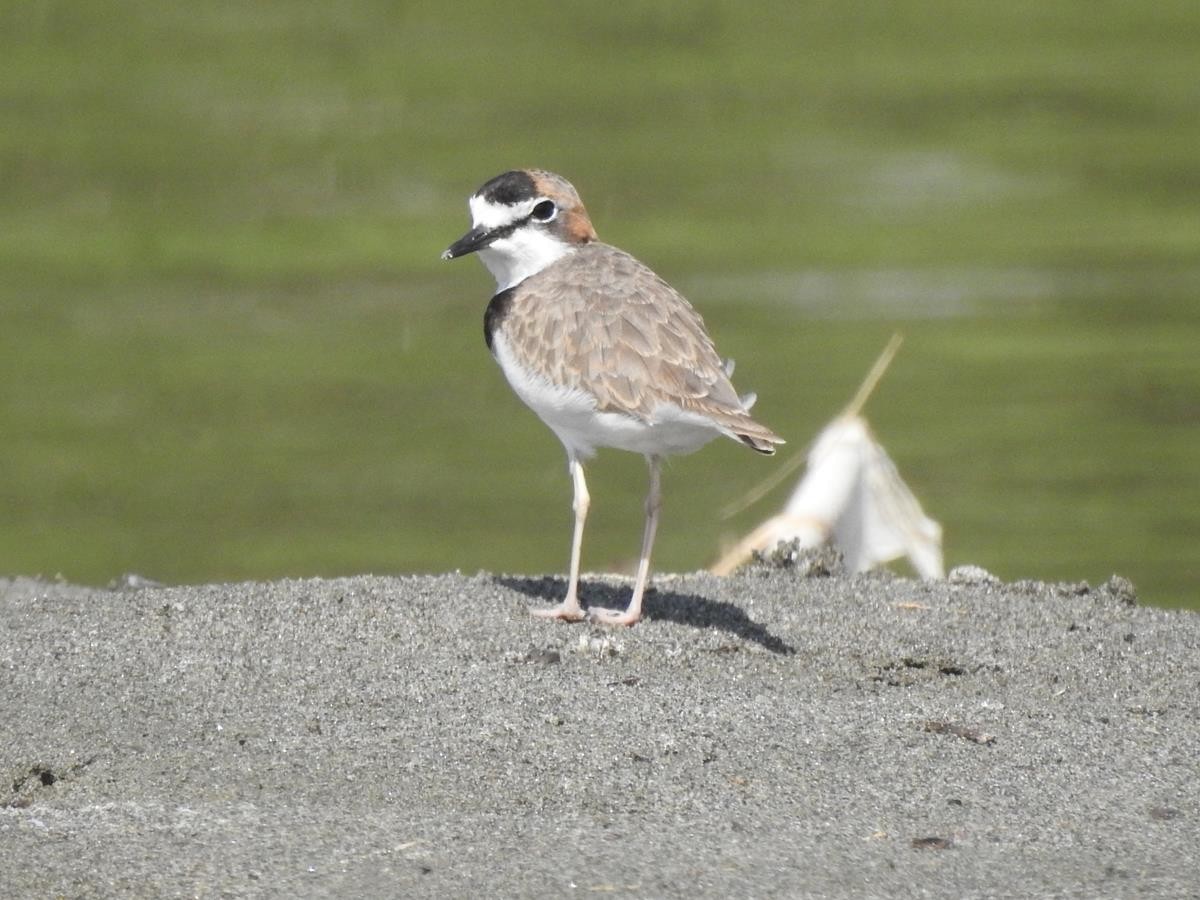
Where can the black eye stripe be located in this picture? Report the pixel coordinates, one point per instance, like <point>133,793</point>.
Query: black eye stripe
<point>503,231</point>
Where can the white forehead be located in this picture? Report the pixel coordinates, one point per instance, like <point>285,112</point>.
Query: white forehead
<point>492,215</point>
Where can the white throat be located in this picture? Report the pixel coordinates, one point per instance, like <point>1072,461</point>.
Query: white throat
<point>524,252</point>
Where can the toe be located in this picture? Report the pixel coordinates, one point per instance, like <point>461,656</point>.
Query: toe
<point>612,617</point>
<point>562,612</point>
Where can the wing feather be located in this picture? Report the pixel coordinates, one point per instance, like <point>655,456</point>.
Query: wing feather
<point>599,321</point>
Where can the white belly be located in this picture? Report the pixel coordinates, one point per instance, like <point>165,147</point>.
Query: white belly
<point>572,415</point>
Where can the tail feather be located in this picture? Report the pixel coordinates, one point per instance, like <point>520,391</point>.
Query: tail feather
<point>765,447</point>
<point>754,435</point>
<point>735,422</point>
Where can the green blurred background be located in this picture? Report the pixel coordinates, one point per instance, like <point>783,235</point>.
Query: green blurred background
<point>228,348</point>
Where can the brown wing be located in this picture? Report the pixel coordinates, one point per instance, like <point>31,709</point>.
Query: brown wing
<point>600,321</point>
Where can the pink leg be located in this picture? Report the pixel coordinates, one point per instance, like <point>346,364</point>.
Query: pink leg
<point>633,613</point>
<point>570,610</point>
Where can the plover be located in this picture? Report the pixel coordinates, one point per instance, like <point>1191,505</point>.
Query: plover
<point>602,349</point>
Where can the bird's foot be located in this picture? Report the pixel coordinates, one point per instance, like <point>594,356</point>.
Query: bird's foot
<point>602,616</point>
<point>567,611</point>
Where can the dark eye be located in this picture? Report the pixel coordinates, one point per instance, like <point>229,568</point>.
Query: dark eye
<point>545,211</point>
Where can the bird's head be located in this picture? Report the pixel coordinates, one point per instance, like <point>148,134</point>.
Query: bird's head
<point>521,222</point>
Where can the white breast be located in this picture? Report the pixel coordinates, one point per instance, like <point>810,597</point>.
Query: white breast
<point>572,415</point>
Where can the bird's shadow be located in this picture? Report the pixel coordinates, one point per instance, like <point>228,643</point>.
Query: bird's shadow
<point>686,609</point>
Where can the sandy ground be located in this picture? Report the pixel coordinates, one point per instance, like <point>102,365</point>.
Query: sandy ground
<point>763,735</point>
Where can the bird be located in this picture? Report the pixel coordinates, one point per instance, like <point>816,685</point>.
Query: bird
<point>603,350</point>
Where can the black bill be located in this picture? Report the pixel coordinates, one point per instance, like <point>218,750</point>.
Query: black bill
<point>475,239</point>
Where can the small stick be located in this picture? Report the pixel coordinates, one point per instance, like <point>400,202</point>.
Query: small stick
<point>861,396</point>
